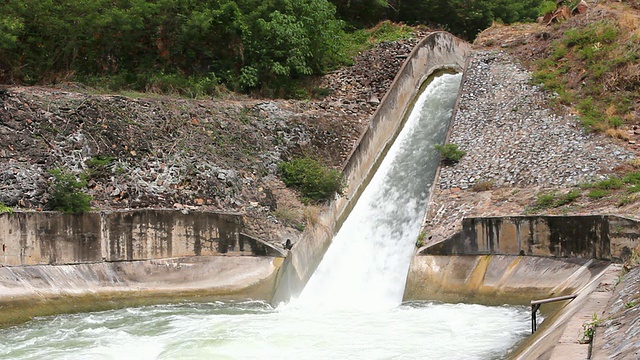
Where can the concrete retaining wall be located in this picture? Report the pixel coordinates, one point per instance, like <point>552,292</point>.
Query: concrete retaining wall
<point>497,279</point>
<point>32,238</point>
<point>588,237</point>
<point>437,51</point>
<point>53,262</point>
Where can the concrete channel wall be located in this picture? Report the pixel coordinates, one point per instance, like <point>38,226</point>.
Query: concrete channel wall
<point>438,51</point>
<point>497,279</point>
<point>143,254</point>
<point>604,237</point>
<point>35,238</point>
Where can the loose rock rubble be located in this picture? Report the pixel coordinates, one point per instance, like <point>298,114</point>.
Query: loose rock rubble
<point>512,138</point>
<point>515,147</point>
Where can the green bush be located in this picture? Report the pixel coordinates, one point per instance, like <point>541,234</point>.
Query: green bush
<point>5,209</point>
<point>450,152</point>
<point>99,166</point>
<point>66,193</point>
<point>315,181</point>
<point>545,200</point>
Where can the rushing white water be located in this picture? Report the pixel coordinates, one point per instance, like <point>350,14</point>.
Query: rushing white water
<point>351,308</point>
<point>367,262</point>
<point>256,331</point>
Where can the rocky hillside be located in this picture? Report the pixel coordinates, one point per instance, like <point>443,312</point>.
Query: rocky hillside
<point>162,152</point>
<point>528,152</point>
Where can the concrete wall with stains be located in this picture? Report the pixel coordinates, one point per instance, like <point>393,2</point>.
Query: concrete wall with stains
<point>34,238</point>
<point>588,237</point>
<point>497,279</point>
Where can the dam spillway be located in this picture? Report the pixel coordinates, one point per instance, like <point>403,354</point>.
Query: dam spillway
<point>368,259</point>
<point>351,309</point>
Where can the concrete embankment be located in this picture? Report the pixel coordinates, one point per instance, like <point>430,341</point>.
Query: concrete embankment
<point>438,51</point>
<point>52,262</point>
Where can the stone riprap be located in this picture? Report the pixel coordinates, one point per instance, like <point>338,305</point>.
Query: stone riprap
<point>517,146</point>
<point>511,136</point>
<point>617,334</point>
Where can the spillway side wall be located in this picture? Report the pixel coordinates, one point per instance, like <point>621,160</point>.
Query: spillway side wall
<point>497,279</point>
<point>37,238</point>
<point>439,50</point>
<point>51,255</point>
<point>605,237</point>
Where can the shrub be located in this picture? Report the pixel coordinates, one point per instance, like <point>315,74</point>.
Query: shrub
<point>315,181</point>
<point>545,200</point>
<point>66,193</point>
<point>99,166</point>
<point>5,209</point>
<point>450,152</point>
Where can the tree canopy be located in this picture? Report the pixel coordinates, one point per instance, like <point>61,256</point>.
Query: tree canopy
<point>200,45</point>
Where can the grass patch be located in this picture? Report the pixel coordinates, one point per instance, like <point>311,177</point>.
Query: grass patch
<point>361,40</point>
<point>4,209</point>
<point>598,193</point>
<point>594,69</point>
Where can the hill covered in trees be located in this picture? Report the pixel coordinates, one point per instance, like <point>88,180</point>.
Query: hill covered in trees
<point>207,46</point>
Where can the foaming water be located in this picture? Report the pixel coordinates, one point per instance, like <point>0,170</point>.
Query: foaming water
<point>254,330</point>
<point>367,262</point>
<point>351,308</point>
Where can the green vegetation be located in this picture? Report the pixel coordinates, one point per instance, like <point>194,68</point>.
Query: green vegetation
<point>594,68</point>
<point>589,329</point>
<point>466,18</point>
<point>315,181</point>
<point>99,166</point>
<point>450,152</point>
<point>189,47</point>
<point>598,193</point>
<point>5,209</point>
<point>420,240</point>
<point>629,184</point>
<point>204,48</point>
<point>66,193</point>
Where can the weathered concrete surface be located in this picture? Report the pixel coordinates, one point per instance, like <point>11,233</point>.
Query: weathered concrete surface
<point>29,290</point>
<point>32,238</point>
<point>437,51</point>
<point>50,262</point>
<point>589,237</point>
<point>496,279</point>
<point>558,337</point>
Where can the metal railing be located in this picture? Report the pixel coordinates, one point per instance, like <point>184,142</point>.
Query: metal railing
<point>535,305</point>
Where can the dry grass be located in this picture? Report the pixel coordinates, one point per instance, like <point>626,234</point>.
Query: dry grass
<point>311,214</point>
<point>288,215</point>
<point>630,22</point>
<point>635,163</point>
<point>618,134</point>
<point>484,185</point>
